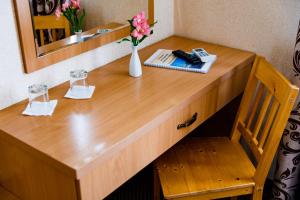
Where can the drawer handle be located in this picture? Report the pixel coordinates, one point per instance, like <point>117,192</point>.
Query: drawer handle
<point>188,122</point>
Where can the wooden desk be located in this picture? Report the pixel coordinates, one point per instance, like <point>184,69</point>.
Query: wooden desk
<point>89,148</point>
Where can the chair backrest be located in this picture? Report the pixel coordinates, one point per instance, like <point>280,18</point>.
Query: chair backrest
<point>265,107</point>
<point>50,22</point>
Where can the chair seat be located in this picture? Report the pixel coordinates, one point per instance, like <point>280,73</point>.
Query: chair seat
<point>198,166</point>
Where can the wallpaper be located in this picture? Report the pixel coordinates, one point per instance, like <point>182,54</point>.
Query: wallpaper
<point>267,27</point>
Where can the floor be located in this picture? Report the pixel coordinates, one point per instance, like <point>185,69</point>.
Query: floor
<point>140,186</point>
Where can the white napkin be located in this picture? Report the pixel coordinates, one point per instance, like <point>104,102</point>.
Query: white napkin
<point>80,92</point>
<point>40,108</point>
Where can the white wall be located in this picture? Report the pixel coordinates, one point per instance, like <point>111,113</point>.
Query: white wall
<point>14,82</point>
<point>267,27</point>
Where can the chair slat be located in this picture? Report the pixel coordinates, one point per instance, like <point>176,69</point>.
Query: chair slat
<point>268,124</point>
<point>54,35</point>
<point>262,114</point>
<point>42,37</point>
<point>275,82</point>
<point>252,142</point>
<point>255,105</point>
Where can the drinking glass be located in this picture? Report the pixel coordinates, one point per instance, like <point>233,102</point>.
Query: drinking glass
<point>78,79</point>
<point>38,93</point>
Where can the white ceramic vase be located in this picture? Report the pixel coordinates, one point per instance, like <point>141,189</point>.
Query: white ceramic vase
<point>135,67</point>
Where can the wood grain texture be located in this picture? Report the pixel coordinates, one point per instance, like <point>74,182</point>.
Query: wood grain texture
<point>186,170</point>
<point>103,141</point>
<point>5,195</point>
<point>210,168</point>
<point>32,62</point>
<point>31,178</point>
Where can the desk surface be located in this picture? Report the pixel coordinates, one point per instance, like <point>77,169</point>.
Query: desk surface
<point>121,110</point>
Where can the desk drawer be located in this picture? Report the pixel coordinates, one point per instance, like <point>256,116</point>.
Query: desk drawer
<point>121,165</point>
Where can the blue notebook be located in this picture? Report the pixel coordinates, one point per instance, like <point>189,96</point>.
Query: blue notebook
<point>165,59</point>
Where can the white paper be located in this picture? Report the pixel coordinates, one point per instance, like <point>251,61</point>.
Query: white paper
<point>80,92</point>
<point>40,108</point>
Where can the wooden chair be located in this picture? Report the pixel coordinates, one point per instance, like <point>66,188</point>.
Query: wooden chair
<point>212,168</point>
<point>50,22</point>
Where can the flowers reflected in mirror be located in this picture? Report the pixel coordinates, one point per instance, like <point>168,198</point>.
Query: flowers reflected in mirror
<point>74,13</point>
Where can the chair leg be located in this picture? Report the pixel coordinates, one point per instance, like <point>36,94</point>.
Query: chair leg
<point>257,194</point>
<point>156,185</point>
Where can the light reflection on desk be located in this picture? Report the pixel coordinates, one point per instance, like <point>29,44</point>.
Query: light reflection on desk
<point>82,136</point>
<point>80,125</point>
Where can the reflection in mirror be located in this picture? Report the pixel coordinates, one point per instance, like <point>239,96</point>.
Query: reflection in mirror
<point>101,17</point>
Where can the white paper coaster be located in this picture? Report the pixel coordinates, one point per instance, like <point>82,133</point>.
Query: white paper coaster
<point>40,108</point>
<point>80,92</point>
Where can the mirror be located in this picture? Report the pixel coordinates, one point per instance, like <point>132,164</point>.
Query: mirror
<point>47,38</point>
<point>98,17</point>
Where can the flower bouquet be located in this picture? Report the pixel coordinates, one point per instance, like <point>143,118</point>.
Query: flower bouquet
<point>71,10</point>
<point>139,31</point>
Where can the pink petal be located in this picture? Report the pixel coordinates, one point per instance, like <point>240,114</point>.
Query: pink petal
<point>138,28</point>
<point>135,33</point>
<point>58,12</point>
<point>145,25</point>
<point>65,5</point>
<point>135,23</point>
<point>140,36</point>
<point>75,4</point>
<point>147,31</point>
<point>142,15</point>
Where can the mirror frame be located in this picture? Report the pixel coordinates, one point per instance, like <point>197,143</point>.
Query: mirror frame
<point>32,62</point>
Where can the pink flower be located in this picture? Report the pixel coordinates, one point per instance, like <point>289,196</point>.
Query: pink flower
<point>146,28</point>
<point>76,4</point>
<point>65,5</point>
<point>139,19</point>
<point>135,33</point>
<point>58,12</point>
<point>141,31</point>
<point>140,16</point>
<point>141,25</point>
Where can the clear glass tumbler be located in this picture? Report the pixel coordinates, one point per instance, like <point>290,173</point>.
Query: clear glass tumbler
<point>78,79</point>
<point>38,93</point>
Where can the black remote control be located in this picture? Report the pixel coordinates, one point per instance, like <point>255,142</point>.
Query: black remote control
<point>193,59</point>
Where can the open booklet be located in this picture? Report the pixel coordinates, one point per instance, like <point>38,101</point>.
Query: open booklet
<point>165,59</point>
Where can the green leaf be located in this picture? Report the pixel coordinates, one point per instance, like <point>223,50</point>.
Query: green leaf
<point>152,25</point>
<point>81,18</point>
<point>124,40</point>
<point>143,38</point>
